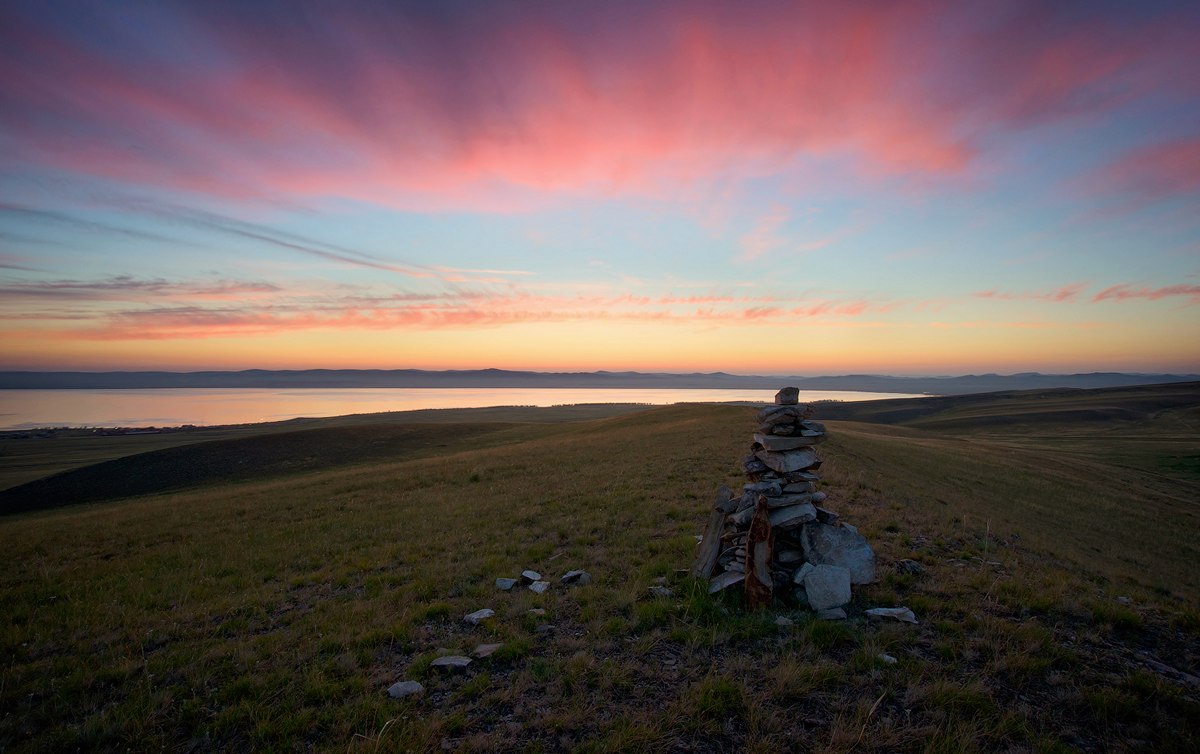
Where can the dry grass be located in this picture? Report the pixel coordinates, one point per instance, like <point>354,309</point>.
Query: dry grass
<point>273,615</point>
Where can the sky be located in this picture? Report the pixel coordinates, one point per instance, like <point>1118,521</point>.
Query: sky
<point>751,187</point>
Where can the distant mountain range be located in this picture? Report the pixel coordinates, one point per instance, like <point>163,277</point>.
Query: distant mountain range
<point>483,378</point>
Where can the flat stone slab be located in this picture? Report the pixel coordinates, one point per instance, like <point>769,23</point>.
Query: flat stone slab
<point>578,578</point>
<point>892,613</point>
<point>789,442</point>
<point>801,572</point>
<point>451,662</point>
<point>793,516</point>
<point>401,689</point>
<point>788,396</point>
<point>479,616</point>
<point>827,586</point>
<point>724,581</point>
<point>505,585</point>
<point>782,501</point>
<point>787,460</point>
<point>538,587</point>
<point>529,577</point>
<point>841,546</point>
<point>485,650</point>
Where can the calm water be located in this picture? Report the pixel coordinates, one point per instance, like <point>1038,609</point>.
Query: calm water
<point>23,409</point>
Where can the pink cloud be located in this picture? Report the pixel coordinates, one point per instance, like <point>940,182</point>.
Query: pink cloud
<point>1153,172</point>
<point>1065,293</point>
<point>519,103</point>
<point>1128,292</point>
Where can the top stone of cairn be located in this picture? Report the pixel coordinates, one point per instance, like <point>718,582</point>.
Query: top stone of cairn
<point>789,396</point>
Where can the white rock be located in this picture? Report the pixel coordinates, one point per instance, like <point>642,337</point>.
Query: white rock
<point>451,662</point>
<point>505,585</point>
<point>724,580</point>
<point>485,650</point>
<point>793,515</point>
<point>538,587</point>
<point>887,658</point>
<point>479,616</point>
<point>827,586</point>
<point>840,546</point>
<point>579,578</point>
<point>530,576</point>
<point>401,689</point>
<point>801,572</point>
<point>896,613</point>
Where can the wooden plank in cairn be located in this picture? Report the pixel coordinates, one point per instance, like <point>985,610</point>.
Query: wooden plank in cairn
<point>710,545</point>
<point>759,585</point>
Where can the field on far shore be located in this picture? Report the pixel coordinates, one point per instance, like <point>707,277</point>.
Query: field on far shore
<point>261,590</point>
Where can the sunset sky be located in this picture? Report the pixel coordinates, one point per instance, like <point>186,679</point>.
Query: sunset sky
<point>788,188</point>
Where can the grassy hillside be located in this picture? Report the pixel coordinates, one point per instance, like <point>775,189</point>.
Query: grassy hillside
<point>29,456</point>
<point>1058,609</point>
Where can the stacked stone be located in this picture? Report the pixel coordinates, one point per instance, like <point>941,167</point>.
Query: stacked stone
<point>776,538</point>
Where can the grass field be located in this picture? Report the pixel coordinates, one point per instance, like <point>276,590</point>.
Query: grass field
<point>1058,609</point>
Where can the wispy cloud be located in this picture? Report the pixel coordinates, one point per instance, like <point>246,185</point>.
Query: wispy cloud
<point>1130,292</point>
<point>524,105</point>
<point>1063,294</point>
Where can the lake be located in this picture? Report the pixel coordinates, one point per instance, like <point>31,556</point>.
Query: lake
<point>169,407</point>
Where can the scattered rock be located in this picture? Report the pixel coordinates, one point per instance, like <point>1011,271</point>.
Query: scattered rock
<point>887,658</point>
<point>401,689</point>
<point>479,616</point>
<point>536,611</point>
<point>578,578</point>
<point>451,662</point>
<point>1124,600</point>
<point>895,613</point>
<point>827,586</point>
<point>543,628</point>
<point>833,613</point>
<point>528,577</point>
<point>661,591</point>
<point>505,585</point>
<point>910,567</point>
<point>538,587</point>
<point>485,650</point>
<point>783,620</point>
<point>838,545</point>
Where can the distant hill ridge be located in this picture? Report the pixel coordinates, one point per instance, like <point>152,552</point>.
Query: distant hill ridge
<point>483,378</point>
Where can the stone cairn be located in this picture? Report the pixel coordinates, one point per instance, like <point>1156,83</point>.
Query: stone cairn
<point>775,538</point>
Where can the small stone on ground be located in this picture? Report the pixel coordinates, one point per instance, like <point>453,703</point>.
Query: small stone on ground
<point>783,620</point>
<point>479,616</point>
<point>579,578</point>
<point>896,613</point>
<point>451,662</point>
<point>536,611</point>
<point>833,613</point>
<point>538,587</point>
<point>485,650</point>
<point>661,591</point>
<point>887,658</point>
<point>505,585</point>
<point>401,689</point>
